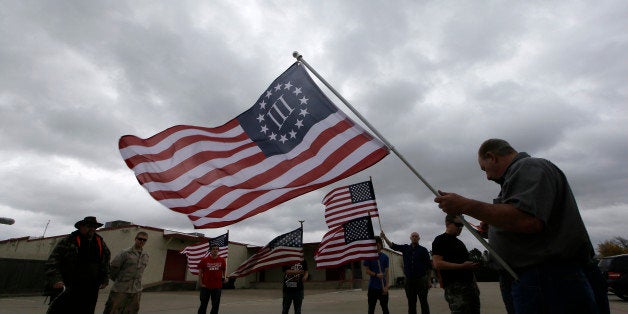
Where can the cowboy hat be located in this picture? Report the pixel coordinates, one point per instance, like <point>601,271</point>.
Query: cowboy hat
<point>89,220</point>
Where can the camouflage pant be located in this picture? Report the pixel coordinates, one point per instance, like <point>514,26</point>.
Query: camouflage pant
<point>463,298</point>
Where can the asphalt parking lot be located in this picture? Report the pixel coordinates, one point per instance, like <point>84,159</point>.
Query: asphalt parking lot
<point>266,301</point>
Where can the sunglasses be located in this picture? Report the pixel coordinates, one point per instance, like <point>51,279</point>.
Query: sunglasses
<point>457,224</point>
<point>141,239</point>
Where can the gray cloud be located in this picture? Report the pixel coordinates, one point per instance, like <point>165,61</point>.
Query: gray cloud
<point>436,79</point>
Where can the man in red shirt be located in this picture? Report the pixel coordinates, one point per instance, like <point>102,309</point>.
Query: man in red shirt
<point>211,276</point>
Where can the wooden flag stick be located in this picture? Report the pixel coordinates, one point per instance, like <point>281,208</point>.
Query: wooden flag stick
<point>227,259</point>
<point>379,264</point>
<point>378,212</point>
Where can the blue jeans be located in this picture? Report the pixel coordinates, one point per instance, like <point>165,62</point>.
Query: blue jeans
<point>599,286</point>
<point>206,294</point>
<point>552,289</point>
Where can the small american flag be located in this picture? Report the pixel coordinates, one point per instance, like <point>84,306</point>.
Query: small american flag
<point>351,241</point>
<point>349,202</point>
<point>284,249</point>
<point>197,251</point>
<point>293,140</point>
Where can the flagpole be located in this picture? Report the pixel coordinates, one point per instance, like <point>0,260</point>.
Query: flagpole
<point>378,212</point>
<point>227,259</point>
<point>379,264</point>
<point>474,232</point>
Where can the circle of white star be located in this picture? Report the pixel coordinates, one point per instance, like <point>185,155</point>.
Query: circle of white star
<point>292,133</point>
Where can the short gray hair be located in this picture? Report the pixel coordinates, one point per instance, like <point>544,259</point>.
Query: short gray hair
<point>496,146</point>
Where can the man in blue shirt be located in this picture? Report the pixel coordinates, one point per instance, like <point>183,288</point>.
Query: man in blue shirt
<point>377,269</point>
<point>416,267</point>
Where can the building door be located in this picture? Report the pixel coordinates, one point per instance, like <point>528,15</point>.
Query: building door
<point>175,268</point>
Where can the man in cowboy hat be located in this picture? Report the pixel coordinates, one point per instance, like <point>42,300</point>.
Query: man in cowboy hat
<point>80,264</point>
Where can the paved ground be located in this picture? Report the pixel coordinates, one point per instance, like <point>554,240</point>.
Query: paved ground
<point>262,301</point>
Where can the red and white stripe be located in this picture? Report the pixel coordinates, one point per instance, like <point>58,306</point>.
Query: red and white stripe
<point>266,258</point>
<point>339,208</point>
<point>333,251</point>
<point>218,176</point>
<point>197,251</point>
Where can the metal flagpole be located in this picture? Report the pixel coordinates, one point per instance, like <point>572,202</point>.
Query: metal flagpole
<point>474,232</point>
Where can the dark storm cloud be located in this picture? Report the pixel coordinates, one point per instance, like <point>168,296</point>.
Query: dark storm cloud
<point>436,79</point>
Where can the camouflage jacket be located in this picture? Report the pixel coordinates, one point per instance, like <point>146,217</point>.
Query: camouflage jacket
<point>127,269</point>
<point>65,264</point>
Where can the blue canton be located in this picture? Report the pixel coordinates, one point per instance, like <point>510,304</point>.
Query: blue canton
<point>286,111</point>
<point>221,241</point>
<point>361,192</point>
<point>358,229</point>
<point>291,239</point>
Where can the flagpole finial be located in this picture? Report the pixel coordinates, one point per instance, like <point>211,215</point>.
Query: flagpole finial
<point>297,55</point>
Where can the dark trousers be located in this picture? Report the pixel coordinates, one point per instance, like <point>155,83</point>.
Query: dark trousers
<point>76,299</point>
<point>417,287</point>
<point>552,289</point>
<point>206,294</point>
<point>292,296</point>
<point>373,296</point>
<point>599,286</point>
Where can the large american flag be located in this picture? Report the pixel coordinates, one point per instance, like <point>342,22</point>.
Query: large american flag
<point>351,241</point>
<point>292,141</point>
<point>197,251</point>
<point>284,249</point>
<point>349,202</point>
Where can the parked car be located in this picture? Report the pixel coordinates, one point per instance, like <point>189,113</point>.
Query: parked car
<point>615,270</point>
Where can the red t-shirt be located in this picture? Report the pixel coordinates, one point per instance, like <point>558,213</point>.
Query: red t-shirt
<point>212,270</point>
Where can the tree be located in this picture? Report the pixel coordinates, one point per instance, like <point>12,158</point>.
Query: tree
<point>476,256</point>
<point>615,246</point>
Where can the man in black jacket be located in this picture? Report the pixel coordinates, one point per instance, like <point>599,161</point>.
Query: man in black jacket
<point>417,268</point>
<point>80,264</point>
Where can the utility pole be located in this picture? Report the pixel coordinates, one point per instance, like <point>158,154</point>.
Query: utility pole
<point>42,236</point>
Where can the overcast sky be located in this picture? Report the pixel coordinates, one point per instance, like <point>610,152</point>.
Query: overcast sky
<point>436,78</point>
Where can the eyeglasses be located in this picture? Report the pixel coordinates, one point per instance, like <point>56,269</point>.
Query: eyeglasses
<point>141,239</point>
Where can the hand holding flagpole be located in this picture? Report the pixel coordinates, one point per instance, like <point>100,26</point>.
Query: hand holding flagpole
<point>379,264</point>
<point>474,232</point>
